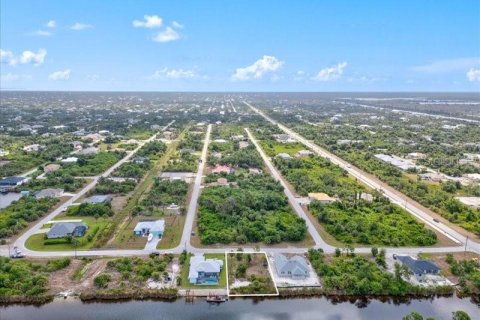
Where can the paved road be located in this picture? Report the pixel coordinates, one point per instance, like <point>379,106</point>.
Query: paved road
<point>192,206</point>
<point>420,212</point>
<point>319,242</point>
<point>20,242</point>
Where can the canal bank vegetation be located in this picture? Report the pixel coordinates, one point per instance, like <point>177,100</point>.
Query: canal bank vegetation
<point>248,273</point>
<point>456,315</point>
<point>24,280</point>
<point>355,275</point>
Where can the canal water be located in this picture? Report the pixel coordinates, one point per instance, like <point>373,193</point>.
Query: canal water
<point>241,309</point>
<point>7,198</point>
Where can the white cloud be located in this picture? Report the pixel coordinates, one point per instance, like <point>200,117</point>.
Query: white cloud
<point>150,22</point>
<point>258,69</point>
<point>60,75</point>
<point>80,26</point>
<point>32,57</point>
<point>93,77</point>
<point>167,73</point>
<point>7,57</point>
<point>26,57</point>
<point>166,36</point>
<point>473,75</point>
<point>448,65</point>
<point>330,73</point>
<point>41,33</point>
<point>177,25</point>
<point>51,24</point>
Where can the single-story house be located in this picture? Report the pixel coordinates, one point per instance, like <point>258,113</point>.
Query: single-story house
<point>69,160</point>
<point>99,198</point>
<point>34,148</point>
<point>89,151</point>
<point>144,228</point>
<point>65,229</point>
<point>204,271</point>
<point>296,267</point>
<point>473,202</point>
<point>284,156</point>
<point>188,177</point>
<point>321,197</point>
<point>51,167</point>
<point>365,196</point>
<point>254,171</point>
<point>238,138</point>
<point>12,181</point>
<point>220,141</point>
<point>139,160</point>
<point>48,193</point>
<point>283,138</point>
<point>420,268</point>
<point>77,145</point>
<point>243,144</point>
<point>432,176</point>
<point>222,169</point>
<point>303,153</point>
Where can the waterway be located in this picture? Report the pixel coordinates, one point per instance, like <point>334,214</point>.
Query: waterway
<point>7,198</point>
<point>241,309</point>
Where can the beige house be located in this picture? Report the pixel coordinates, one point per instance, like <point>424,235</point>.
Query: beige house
<point>321,197</point>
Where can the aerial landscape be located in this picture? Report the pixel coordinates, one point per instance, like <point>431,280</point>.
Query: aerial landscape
<point>153,167</point>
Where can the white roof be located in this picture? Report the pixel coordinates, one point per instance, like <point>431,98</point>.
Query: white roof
<point>157,225</point>
<point>198,263</point>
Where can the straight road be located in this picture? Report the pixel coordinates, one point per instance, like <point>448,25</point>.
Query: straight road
<point>395,196</point>
<point>192,206</point>
<point>319,242</point>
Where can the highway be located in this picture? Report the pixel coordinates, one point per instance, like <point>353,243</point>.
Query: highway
<point>395,197</point>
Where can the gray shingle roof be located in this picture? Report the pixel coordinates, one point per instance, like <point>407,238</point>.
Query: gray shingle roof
<point>419,266</point>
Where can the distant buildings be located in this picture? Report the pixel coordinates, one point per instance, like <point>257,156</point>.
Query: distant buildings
<point>222,169</point>
<point>34,148</point>
<point>303,153</point>
<point>188,177</point>
<point>283,138</point>
<point>473,202</point>
<point>89,151</point>
<point>284,156</point>
<point>296,267</point>
<point>69,160</point>
<point>204,271</point>
<point>396,161</point>
<point>51,167</point>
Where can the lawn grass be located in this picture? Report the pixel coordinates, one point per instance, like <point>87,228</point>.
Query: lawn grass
<point>223,274</point>
<point>36,241</point>
<point>173,231</point>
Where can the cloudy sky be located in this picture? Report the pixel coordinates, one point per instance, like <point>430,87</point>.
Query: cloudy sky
<point>245,45</point>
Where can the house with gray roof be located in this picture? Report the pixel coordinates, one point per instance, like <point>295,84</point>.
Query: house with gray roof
<point>295,267</point>
<point>204,271</point>
<point>419,268</point>
<point>144,228</point>
<point>65,229</point>
<point>99,198</point>
<point>48,193</point>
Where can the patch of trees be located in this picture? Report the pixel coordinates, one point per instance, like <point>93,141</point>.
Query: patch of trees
<point>152,149</point>
<point>18,214</point>
<point>132,170</point>
<point>357,275</point>
<point>166,192</point>
<point>57,179</point>
<point>92,165</point>
<point>107,186</point>
<point>91,209</point>
<point>468,273</point>
<point>243,158</point>
<point>378,222</point>
<point>137,270</point>
<point>26,278</point>
<point>255,211</point>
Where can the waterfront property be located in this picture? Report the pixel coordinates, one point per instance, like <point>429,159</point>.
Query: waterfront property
<point>145,228</point>
<point>12,181</point>
<point>204,271</point>
<point>65,229</point>
<point>295,267</point>
<point>420,268</point>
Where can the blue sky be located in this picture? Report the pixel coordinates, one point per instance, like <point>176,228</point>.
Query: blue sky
<point>240,45</point>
